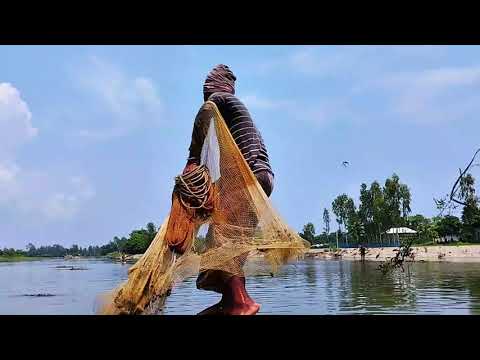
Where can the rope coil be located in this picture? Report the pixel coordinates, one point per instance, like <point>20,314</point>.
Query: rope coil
<point>194,187</point>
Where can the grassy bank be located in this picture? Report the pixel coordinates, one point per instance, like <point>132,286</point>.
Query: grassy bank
<point>4,258</point>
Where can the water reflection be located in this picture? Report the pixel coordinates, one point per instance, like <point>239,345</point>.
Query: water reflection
<point>371,291</point>
<point>307,287</point>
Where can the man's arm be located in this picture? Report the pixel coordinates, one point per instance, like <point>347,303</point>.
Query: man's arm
<point>200,128</point>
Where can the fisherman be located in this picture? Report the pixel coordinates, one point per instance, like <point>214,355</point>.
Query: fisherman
<point>362,252</point>
<point>219,87</point>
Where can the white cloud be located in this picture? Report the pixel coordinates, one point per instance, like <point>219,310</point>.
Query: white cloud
<point>307,61</point>
<point>8,173</point>
<point>318,114</point>
<point>428,94</point>
<point>8,185</point>
<point>102,135</point>
<point>43,196</point>
<point>352,62</point>
<point>24,191</point>
<point>324,112</point>
<point>15,120</point>
<point>132,101</point>
<point>435,79</point>
<point>416,51</point>
<point>64,205</point>
<point>312,60</point>
<point>434,95</point>
<point>254,101</point>
<point>60,206</point>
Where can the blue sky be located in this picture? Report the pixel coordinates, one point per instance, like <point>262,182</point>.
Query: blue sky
<point>91,137</point>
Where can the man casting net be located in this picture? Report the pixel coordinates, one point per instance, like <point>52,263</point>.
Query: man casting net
<point>225,186</point>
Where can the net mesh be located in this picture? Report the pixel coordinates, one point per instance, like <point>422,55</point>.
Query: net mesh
<point>243,224</point>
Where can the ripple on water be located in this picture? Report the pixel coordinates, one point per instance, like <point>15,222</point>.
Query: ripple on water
<point>311,287</point>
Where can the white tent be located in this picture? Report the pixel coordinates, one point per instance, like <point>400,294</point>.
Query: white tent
<point>400,230</point>
<point>394,234</point>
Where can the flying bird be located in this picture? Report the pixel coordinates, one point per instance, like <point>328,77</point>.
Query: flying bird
<point>345,163</point>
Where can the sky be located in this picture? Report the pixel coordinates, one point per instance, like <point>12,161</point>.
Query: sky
<point>91,137</point>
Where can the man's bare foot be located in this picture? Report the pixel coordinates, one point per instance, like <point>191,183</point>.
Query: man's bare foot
<point>250,308</point>
<point>235,299</point>
<point>242,309</point>
<point>216,309</point>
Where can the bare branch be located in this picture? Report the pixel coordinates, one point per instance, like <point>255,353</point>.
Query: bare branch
<point>447,202</point>
<point>397,261</point>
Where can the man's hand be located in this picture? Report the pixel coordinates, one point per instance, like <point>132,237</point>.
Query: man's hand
<point>189,167</point>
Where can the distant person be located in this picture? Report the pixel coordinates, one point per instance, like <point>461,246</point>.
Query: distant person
<point>363,251</point>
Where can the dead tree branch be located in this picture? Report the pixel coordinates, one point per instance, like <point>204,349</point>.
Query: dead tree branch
<point>452,201</point>
<point>397,261</point>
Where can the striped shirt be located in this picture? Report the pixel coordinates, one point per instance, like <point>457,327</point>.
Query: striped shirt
<point>243,130</point>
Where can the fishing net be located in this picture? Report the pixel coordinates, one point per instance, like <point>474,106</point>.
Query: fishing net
<point>226,197</point>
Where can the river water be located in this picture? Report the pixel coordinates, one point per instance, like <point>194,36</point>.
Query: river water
<point>311,286</point>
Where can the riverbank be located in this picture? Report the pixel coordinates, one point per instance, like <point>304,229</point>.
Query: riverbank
<point>461,253</point>
<point>452,253</point>
<point>116,256</point>
<point>4,258</point>
<point>113,257</point>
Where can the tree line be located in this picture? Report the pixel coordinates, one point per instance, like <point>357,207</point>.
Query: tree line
<point>379,208</point>
<point>136,243</point>
<point>383,207</point>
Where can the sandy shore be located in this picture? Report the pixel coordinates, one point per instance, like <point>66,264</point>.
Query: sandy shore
<point>463,253</point>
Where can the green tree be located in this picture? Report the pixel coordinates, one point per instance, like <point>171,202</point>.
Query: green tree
<point>417,220</point>
<point>31,250</point>
<point>151,230</point>
<point>340,209</point>
<point>138,242</point>
<point>378,213</point>
<point>365,211</point>
<point>427,231</point>
<point>448,225</point>
<point>471,210</point>
<point>405,200</point>
<point>74,250</point>
<point>471,222</point>
<point>397,200</point>
<point>379,209</point>
<point>308,233</point>
<point>355,227</point>
<point>326,221</point>
<point>371,210</point>
<point>120,243</point>
<point>467,189</point>
<point>344,209</point>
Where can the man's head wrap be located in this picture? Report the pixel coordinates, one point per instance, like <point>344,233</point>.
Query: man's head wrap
<point>220,79</point>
